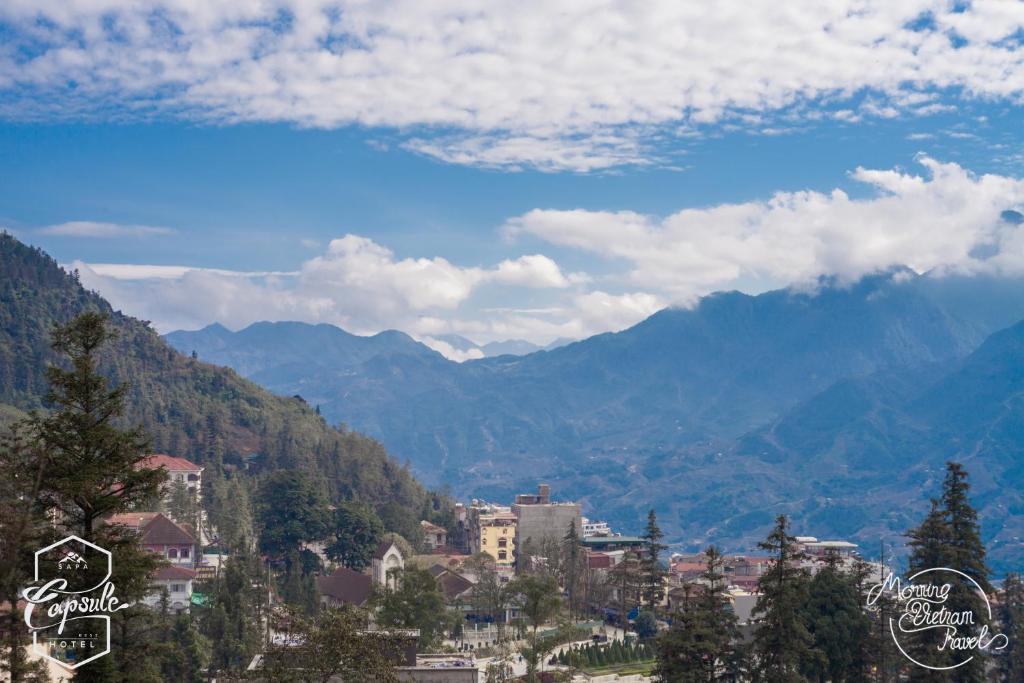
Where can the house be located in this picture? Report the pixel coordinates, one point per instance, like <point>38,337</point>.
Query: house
<point>434,536</point>
<point>178,470</point>
<point>386,560</point>
<point>344,586</point>
<point>177,581</point>
<point>455,587</point>
<point>161,536</point>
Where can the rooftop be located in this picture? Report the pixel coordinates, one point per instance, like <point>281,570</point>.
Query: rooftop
<point>173,573</point>
<point>169,463</point>
<point>162,531</point>
<point>346,585</point>
<point>612,540</point>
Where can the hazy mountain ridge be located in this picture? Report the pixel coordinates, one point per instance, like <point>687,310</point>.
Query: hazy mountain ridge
<point>720,416</point>
<point>189,408</point>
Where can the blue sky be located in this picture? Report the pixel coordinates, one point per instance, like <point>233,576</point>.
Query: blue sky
<point>447,169</point>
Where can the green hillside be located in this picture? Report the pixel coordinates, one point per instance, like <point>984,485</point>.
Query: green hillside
<point>190,409</point>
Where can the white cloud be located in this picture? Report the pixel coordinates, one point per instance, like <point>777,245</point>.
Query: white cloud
<point>924,222</point>
<point>357,284</point>
<point>944,218</point>
<point>554,84</point>
<point>534,270</point>
<point>94,229</point>
<point>449,351</point>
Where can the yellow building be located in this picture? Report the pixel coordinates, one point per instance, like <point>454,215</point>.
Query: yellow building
<point>493,531</point>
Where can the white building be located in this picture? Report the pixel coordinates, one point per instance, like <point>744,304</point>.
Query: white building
<point>386,561</point>
<point>177,581</point>
<point>595,528</point>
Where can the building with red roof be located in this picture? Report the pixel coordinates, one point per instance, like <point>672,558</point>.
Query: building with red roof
<point>177,582</point>
<point>161,536</point>
<point>178,470</point>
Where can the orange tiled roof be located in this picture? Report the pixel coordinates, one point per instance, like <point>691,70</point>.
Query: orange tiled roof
<point>132,520</point>
<point>169,463</point>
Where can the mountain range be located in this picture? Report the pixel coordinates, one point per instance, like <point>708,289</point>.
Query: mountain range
<point>505,347</point>
<point>203,412</point>
<point>837,404</point>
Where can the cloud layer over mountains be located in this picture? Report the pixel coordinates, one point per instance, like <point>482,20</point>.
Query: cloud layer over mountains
<point>940,217</point>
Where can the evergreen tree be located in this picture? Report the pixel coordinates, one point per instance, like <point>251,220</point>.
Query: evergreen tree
<point>653,589</point>
<point>782,642</point>
<point>836,618</point>
<point>357,531</point>
<point>572,560</point>
<point>23,528</point>
<point>1010,663</point>
<point>189,653</point>
<point>291,511</point>
<point>949,537</point>
<point>182,505</point>
<point>231,624</point>
<point>699,645</point>
<point>92,470</point>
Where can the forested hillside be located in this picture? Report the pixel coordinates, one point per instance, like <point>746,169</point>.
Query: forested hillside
<point>189,408</point>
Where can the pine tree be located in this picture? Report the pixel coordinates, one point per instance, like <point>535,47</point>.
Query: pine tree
<point>572,559</point>
<point>356,533</point>
<point>92,471</point>
<point>24,527</point>
<point>836,619</point>
<point>93,463</point>
<point>700,643</point>
<point>950,538</point>
<point>782,642</point>
<point>1010,663</point>
<point>653,589</point>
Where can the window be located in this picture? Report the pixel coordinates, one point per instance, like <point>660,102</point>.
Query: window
<point>502,555</point>
<point>184,552</point>
<point>172,553</point>
<point>177,588</point>
<point>502,542</point>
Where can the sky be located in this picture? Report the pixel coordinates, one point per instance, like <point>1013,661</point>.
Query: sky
<point>520,170</point>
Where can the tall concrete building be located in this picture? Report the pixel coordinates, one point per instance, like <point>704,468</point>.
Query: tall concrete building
<point>539,523</point>
<point>492,529</point>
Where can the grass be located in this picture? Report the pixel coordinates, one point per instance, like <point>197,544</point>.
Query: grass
<point>644,668</point>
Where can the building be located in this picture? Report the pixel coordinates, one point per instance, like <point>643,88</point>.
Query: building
<point>595,528</point>
<point>434,536</point>
<point>344,586</point>
<point>387,560</point>
<point>492,530</point>
<point>539,522</point>
<point>178,470</point>
<point>603,544</point>
<point>455,587</point>
<point>820,549</point>
<point>177,582</point>
<point>161,536</point>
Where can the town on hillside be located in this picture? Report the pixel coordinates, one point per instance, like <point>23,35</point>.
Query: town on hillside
<point>235,571</point>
